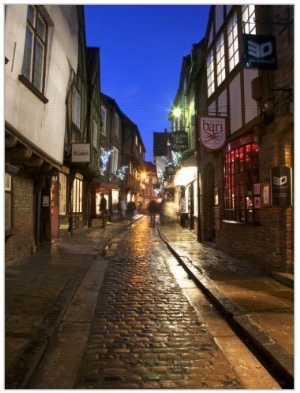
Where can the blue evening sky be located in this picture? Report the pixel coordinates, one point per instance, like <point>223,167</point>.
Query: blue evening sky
<point>141,51</point>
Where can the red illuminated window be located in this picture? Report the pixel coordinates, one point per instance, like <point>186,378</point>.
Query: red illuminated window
<point>241,177</point>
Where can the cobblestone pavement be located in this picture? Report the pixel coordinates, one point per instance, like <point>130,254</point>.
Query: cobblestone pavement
<point>145,334</point>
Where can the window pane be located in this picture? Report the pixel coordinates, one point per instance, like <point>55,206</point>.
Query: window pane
<point>210,74</point>
<point>27,60</point>
<point>103,120</point>
<point>220,58</point>
<point>41,28</point>
<point>38,69</point>
<point>30,14</point>
<point>76,107</point>
<point>232,38</point>
<point>34,50</point>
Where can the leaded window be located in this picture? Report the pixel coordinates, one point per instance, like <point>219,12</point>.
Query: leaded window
<point>241,184</point>
<point>33,67</point>
<point>233,43</point>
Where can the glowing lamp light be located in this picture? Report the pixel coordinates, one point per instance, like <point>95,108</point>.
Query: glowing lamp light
<point>177,112</point>
<point>143,176</point>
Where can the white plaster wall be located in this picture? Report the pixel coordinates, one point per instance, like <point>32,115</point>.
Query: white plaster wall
<point>251,110</point>
<point>235,104</point>
<point>42,124</point>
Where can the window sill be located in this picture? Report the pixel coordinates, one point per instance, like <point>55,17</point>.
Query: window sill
<point>34,90</point>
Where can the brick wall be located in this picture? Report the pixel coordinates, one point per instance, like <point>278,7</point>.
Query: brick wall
<point>21,243</point>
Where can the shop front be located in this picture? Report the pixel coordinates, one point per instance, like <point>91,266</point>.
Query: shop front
<point>111,193</point>
<point>185,182</point>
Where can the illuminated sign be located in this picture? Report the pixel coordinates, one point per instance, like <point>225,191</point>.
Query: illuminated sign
<point>260,52</point>
<point>212,131</point>
<point>281,181</point>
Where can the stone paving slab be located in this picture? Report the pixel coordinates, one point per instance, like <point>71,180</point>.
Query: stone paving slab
<point>38,290</point>
<point>250,299</point>
<point>51,269</point>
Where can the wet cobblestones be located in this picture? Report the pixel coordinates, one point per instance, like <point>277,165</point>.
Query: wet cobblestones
<point>145,334</point>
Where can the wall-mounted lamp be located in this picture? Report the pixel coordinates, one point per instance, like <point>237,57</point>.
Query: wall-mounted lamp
<point>177,112</point>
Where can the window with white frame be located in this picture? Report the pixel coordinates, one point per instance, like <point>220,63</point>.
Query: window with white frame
<point>233,42</point>
<point>117,124</point>
<point>248,18</point>
<point>220,60</point>
<point>136,140</point>
<point>62,194</point>
<point>76,107</point>
<point>8,201</point>
<point>114,160</point>
<point>210,73</point>
<point>34,60</point>
<point>103,120</point>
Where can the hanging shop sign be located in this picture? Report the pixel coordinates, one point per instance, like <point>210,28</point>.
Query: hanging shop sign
<point>179,140</point>
<point>281,181</point>
<point>81,152</point>
<point>213,132</point>
<point>259,52</point>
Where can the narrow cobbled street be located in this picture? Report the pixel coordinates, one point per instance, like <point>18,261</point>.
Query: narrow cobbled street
<point>145,334</point>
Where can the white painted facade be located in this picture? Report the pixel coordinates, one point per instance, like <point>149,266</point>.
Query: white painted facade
<point>41,124</point>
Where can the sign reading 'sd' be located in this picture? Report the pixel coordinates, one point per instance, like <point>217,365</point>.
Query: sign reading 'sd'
<point>212,132</point>
<point>260,52</point>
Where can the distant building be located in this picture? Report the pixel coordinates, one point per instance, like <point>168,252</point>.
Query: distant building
<point>122,159</point>
<point>150,187</point>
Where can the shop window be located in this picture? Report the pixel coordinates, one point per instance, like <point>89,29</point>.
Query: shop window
<point>241,180</point>
<point>77,196</point>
